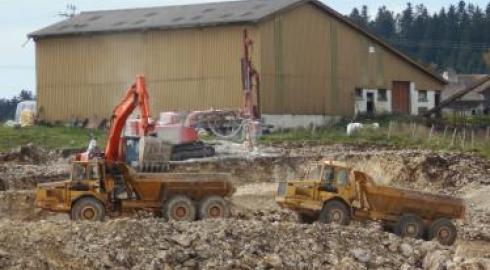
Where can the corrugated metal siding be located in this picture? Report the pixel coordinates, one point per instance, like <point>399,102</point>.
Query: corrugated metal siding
<point>87,76</point>
<point>312,63</point>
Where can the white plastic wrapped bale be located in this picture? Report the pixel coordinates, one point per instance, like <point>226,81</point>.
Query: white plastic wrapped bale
<point>353,127</point>
<point>25,106</point>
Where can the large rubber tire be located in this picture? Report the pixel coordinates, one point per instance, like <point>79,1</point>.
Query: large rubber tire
<point>88,209</point>
<point>410,226</point>
<point>214,207</point>
<point>444,231</point>
<point>335,212</point>
<point>180,208</point>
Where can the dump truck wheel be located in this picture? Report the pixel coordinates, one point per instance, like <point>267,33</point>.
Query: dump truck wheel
<point>444,231</point>
<point>88,209</point>
<point>213,207</point>
<point>335,212</point>
<point>180,208</point>
<point>410,226</point>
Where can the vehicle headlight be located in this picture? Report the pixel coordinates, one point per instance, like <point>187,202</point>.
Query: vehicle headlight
<point>282,189</point>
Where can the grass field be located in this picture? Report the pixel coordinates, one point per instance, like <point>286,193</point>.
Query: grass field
<point>47,137</point>
<point>400,139</point>
<point>53,138</point>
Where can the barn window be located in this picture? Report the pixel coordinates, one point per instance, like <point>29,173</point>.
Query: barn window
<point>423,96</point>
<point>382,95</point>
<point>422,110</point>
<point>359,93</point>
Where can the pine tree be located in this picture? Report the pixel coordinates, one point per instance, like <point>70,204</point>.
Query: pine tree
<point>457,37</point>
<point>384,24</point>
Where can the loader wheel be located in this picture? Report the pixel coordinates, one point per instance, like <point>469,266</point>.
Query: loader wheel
<point>410,226</point>
<point>335,212</point>
<point>180,208</point>
<point>88,209</point>
<point>214,207</point>
<point>444,231</point>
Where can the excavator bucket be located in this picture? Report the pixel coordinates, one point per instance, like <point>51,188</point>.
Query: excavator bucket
<point>154,154</point>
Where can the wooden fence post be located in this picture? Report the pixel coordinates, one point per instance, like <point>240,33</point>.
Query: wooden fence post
<point>473,138</point>
<point>413,129</point>
<point>390,127</point>
<point>463,139</point>
<point>454,136</point>
<point>431,132</point>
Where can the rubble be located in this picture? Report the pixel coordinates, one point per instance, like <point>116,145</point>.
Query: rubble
<point>259,235</point>
<point>26,154</point>
<point>220,244</point>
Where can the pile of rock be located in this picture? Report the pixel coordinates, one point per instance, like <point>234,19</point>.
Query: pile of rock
<point>27,154</point>
<point>221,244</point>
<point>20,176</point>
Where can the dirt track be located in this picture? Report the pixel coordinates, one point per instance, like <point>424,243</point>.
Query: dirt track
<point>260,235</point>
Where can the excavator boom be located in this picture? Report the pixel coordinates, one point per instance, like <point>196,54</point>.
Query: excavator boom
<point>136,96</point>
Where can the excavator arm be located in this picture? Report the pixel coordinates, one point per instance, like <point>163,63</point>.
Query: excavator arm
<point>136,96</point>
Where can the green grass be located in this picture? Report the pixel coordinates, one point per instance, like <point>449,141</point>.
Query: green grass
<point>337,135</point>
<point>52,138</point>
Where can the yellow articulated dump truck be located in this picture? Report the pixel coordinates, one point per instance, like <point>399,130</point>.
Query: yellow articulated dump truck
<point>332,192</point>
<point>94,192</point>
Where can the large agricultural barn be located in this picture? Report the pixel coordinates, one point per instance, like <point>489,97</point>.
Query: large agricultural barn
<point>314,63</point>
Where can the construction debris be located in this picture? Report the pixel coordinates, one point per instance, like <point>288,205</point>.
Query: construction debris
<point>259,235</point>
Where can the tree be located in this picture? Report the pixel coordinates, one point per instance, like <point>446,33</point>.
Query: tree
<point>384,24</point>
<point>9,106</point>
<point>458,36</point>
<point>355,16</point>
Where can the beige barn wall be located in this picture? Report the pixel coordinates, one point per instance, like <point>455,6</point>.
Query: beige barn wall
<point>86,76</point>
<point>312,63</point>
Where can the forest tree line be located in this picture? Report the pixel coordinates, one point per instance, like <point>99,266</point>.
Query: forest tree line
<point>457,36</point>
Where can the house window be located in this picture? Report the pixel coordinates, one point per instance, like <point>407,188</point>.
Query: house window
<point>423,96</point>
<point>423,110</point>
<point>359,94</point>
<point>382,96</point>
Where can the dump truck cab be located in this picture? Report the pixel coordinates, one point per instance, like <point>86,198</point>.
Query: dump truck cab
<point>323,181</point>
<point>333,192</point>
<point>87,179</point>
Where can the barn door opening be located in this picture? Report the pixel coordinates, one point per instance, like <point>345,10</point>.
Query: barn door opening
<point>370,106</point>
<point>401,97</point>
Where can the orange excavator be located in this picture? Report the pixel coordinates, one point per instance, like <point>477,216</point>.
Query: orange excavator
<point>150,145</point>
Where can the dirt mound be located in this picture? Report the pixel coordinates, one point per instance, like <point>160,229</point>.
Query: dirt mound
<point>23,177</point>
<point>27,154</point>
<point>19,205</point>
<point>224,244</point>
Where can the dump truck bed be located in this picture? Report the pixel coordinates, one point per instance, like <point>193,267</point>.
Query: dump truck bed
<point>397,201</point>
<point>152,186</point>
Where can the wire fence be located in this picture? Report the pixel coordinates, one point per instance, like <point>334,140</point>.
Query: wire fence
<point>441,135</point>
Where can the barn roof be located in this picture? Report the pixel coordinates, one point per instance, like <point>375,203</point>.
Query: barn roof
<point>196,15</point>
<point>167,17</point>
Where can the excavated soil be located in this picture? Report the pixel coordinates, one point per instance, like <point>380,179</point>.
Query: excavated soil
<point>259,235</point>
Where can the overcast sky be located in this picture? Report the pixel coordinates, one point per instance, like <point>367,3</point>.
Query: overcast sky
<point>20,17</point>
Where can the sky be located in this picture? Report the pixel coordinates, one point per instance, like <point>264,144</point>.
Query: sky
<point>20,17</point>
